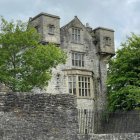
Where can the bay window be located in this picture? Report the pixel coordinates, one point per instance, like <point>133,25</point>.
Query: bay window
<point>79,85</point>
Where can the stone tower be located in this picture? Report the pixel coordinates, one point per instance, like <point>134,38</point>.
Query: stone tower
<point>48,26</point>
<point>84,74</point>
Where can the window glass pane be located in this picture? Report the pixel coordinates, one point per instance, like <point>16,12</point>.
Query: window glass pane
<point>73,62</point>
<point>78,38</point>
<point>74,85</point>
<point>77,59</point>
<point>73,56</point>
<point>88,85</point>
<point>76,62</point>
<point>76,56</point>
<point>85,84</point>
<point>74,78</point>
<point>70,78</point>
<point>70,85</point>
<point>72,31</point>
<point>78,32</point>
<point>79,84</point>
<point>51,29</point>
<point>82,57</point>
<point>83,63</point>
<point>72,36</point>
<point>88,92</point>
<point>85,92</point>
<point>79,92</point>
<point>82,84</point>
<point>74,91</point>
<point>79,62</point>
<point>70,90</point>
<point>82,92</point>
<point>75,34</point>
<point>75,31</point>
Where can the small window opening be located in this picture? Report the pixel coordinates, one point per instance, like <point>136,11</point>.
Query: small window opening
<point>51,29</point>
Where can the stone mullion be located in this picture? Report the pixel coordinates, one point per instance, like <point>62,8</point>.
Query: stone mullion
<point>77,86</point>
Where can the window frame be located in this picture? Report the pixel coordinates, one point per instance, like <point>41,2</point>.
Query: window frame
<point>37,28</point>
<point>51,29</point>
<point>76,35</point>
<point>84,86</point>
<point>78,59</point>
<point>107,40</point>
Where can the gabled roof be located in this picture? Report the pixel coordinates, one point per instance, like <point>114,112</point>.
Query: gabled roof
<point>74,23</point>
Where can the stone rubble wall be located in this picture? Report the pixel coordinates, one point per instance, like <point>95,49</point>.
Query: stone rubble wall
<point>28,116</point>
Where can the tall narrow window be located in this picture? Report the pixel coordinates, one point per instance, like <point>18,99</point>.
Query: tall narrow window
<point>51,29</point>
<point>78,59</point>
<point>84,85</point>
<point>72,84</point>
<point>76,35</point>
<point>37,28</point>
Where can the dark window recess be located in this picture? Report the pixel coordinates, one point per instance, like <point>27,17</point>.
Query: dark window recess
<point>85,111</point>
<point>37,28</point>
<point>85,131</point>
<point>107,41</point>
<point>51,29</point>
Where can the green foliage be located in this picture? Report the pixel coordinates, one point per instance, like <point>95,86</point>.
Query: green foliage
<point>24,63</point>
<point>124,76</point>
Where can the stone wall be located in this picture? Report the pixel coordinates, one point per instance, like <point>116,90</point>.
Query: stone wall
<point>28,116</point>
<point>120,122</point>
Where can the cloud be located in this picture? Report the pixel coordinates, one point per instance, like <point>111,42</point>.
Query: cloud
<point>120,15</point>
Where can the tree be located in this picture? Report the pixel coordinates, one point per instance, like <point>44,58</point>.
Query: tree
<point>124,76</point>
<point>24,62</point>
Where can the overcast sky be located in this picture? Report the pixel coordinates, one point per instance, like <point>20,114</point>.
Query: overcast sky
<point>121,15</point>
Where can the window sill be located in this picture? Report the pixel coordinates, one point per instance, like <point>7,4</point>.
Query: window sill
<point>74,42</point>
<point>78,67</point>
<point>51,33</point>
<point>85,97</point>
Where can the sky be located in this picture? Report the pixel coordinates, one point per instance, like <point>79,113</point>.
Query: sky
<point>123,16</point>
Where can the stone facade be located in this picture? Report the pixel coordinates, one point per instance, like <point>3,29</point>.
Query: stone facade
<point>88,50</point>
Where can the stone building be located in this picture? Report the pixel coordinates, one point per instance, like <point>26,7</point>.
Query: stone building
<point>85,72</point>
